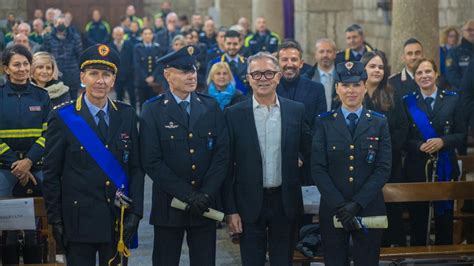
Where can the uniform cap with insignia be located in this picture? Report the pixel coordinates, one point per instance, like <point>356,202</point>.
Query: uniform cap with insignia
<point>350,72</point>
<point>99,56</point>
<point>184,58</point>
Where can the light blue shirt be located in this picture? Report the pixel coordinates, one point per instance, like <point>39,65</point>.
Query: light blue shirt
<point>327,79</point>
<point>346,112</point>
<point>188,99</point>
<point>94,110</point>
<point>432,96</point>
<point>268,125</point>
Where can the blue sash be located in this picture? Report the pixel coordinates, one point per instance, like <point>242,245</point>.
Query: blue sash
<point>96,149</point>
<point>444,168</point>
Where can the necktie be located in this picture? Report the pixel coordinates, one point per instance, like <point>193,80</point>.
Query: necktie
<point>184,107</point>
<point>428,102</point>
<point>352,123</point>
<point>102,126</point>
<point>233,65</point>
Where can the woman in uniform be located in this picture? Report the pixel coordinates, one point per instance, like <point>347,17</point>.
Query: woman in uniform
<point>381,97</point>
<point>24,111</point>
<point>45,74</point>
<point>436,128</point>
<point>351,164</point>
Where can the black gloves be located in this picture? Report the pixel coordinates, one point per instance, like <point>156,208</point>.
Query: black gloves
<point>198,203</point>
<point>58,234</point>
<point>130,226</point>
<point>346,215</point>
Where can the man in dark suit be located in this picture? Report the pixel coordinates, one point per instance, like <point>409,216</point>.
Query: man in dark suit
<point>262,192</point>
<point>295,87</point>
<point>92,166</point>
<point>356,45</point>
<point>184,144</point>
<point>351,163</point>
<point>237,63</point>
<point>324,71</point>
<point>146,69</point>
<point>124,81</point>
<point>403,82</point>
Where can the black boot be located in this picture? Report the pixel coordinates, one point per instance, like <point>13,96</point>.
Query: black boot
<point>33,248</point>
<point>10,248</point>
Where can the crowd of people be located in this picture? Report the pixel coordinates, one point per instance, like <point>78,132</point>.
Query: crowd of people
<point>230,119</point>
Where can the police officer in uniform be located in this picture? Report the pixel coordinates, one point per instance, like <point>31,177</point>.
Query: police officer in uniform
<point>24,110</point>
<point>92,167</point>
<point>354,162</point>
<point>147,70</point>
<point>357,46</point>
<point>459,57</point>
<point>184,146</point>
<point>437,127</point>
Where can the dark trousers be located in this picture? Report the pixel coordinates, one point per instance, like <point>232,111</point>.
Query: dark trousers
<point>145,93</point>
<point>273,230</point>
<point>419,223</point>
<point>121,87</point>
<point>84,254</point>
<point>201,242</point>
<point>394,234</point>
<point>366,249</point>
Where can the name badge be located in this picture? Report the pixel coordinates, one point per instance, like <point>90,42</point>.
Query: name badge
<point>371,156</point>
<point>35,108</point>
<point>210,143</point>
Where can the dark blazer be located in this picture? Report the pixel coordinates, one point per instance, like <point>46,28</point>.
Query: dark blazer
<point>448,121</point>
<point>402,83</point>
<point>243,190</point>
<point>305,91</point>
<point>76,191</point>
<point>313,74</point>
<point>339,165</point>
<point>125,69</point>
<point>145,63</point>
<point>180,158</point>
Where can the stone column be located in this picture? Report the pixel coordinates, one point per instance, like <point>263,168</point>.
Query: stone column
<point>272,11</point>
<point>202,6</point>
<point>316,19</point>
<point>418,19</point>
<point>229,11</point>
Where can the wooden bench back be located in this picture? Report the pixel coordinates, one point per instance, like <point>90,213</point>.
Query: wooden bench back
<point>410,192</point>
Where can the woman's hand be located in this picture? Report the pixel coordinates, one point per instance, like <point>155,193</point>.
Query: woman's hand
<point>432,145</point>
<point>21,167</point>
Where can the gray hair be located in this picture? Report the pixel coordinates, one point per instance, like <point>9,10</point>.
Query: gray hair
<point>325,40</point>
<point>355,27</point>
<point>260,56</point>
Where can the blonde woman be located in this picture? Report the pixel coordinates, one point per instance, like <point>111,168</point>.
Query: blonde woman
<point>44,74</point>
<point>221,85</point>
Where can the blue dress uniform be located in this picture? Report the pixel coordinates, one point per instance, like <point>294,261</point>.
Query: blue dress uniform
<point>403,83</point>
<point>348,169</point>
<point>447,119</point>
<point>79,194</point>
<point>238,69</point>
<point>23,120</point>
<point>348,55</point>
<point>124,81</point>
<point>183,158</point>
<point>145,64</point>
<point>457,61</point>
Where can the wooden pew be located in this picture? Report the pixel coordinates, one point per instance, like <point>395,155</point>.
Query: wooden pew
<point>413,192</point>
<point>46,230</point>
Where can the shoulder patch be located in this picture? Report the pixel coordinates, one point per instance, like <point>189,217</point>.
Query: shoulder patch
<point>60,106</point>
<point>154,99</point>
<point>394,75</point>
<point>377,114</point>
<point>327,114</point>
<point>449,92</point>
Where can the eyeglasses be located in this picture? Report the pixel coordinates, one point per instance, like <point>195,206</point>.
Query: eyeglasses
<point>257,75</point>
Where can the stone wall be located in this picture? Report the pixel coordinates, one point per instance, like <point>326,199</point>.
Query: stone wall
<point>316,19</point>
<point>18,7</point>
<point>229,11</point>
<point>181,7</point>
